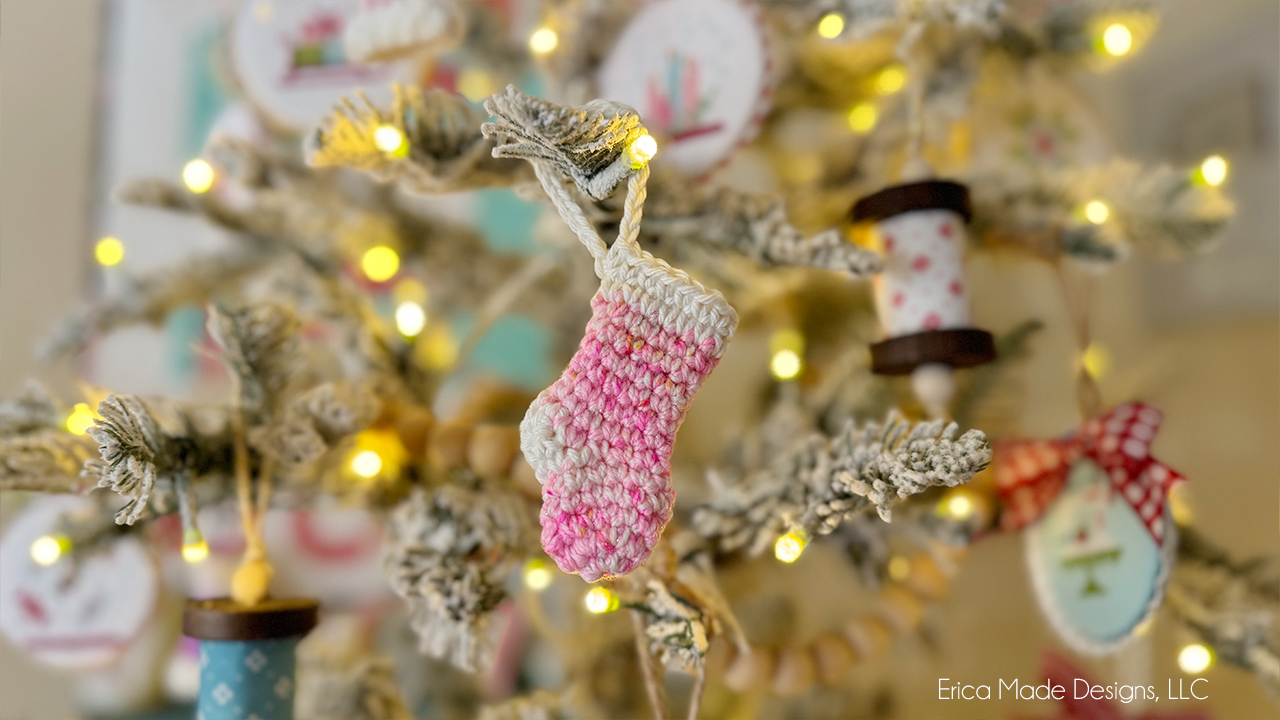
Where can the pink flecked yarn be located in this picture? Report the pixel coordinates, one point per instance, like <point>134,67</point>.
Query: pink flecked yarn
<point>600,438</point>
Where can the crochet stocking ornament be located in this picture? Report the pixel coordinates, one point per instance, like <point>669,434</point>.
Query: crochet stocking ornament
<point>600,438</point>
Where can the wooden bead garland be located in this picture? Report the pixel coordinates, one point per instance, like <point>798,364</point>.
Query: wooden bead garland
<point>793,669</point>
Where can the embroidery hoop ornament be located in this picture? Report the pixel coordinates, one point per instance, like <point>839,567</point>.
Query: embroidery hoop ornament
<point>127,593</point>
<point>730,37</point>
<point>1033,478</point>
<point>292,97</point>
<point>599,439</point>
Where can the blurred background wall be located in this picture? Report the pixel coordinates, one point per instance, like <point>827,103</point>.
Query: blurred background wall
<point>1200,339</point>
<point>49,72</point>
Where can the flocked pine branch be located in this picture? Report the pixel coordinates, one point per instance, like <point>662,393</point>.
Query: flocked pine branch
<point>1232,605</point>
<point>260,344</point>
<point>131,443</point>
<point>675,627</point>
<point>34,409</point>
<point>36,453</point>
<point>341,683</point>
<point>448,551</point>
<point>586,144</point>
<point>823,481</point>
<point>316,422</point>
<point>537,705</point>
<point>443,148</point>
<point>142,442</point>
<point>1160,212</point>
<point>755,226</point>
<point>151,298</point>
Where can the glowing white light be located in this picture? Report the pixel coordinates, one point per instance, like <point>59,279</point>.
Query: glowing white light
<point>1195,658</point>
<point>543,41</point>
<point>1214,170</point>
<point>46,550</point>
<point>959,506</point>
<point>366,463</point>
<point>1117,39</point>
<point>788,547</point>
<point>786,364</point>
<point>1096,212</point>
<point>600,600</point>
<point>388,138</point>
<point>537,576</point>
<point>410,318</point>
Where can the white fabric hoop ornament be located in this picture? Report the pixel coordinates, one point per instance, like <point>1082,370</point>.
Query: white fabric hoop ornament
<point>290,58</point>
<point>1097,572</point>
<point>698,72</point>
<point>78,615</point>
<point>393,29</point>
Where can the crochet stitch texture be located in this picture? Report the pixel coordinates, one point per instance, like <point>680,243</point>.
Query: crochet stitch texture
<point>600,438</point>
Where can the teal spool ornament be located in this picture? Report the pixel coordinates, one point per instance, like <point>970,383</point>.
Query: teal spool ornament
<point>247,656</point>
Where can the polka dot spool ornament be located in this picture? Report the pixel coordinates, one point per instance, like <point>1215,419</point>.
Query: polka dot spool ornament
<point>247,656</point>
<point>920,296</point>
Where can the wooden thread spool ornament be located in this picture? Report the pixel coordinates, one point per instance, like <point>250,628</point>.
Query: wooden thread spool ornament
<point>920,296</point>
<point>247,655</point>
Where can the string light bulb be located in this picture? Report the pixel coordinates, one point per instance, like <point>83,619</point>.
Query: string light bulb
<point>786,348</point>
<point>389,139</point>
<point>1195,658</point>
<point>600,600</point>
<point>537,576</point>
<point>957,506</point>
<point>194,548</point>
<point>863,117</point>
<point>1117,39</point>
<point>642,150</point>
<point>1096,212</point>
<point>47,549</point>
<point>366,463</point>
<point>380,263</point>
<point>543,40</point>
<point>831,25</point>
<point>785,364</point>
<point>788,548</point>
<point>80,419</point>
<point>1213,170</point>
<point>198,176</point>
<point>411,318</point>
<point>891,79</point>
<point>109,251</point>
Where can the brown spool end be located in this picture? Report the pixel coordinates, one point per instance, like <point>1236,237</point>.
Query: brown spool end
<point>958,348</point>
<point>271,619</point>
<point>924,195</point>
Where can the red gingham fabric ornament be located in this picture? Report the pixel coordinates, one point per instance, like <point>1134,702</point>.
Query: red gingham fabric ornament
<point>1031,473</point>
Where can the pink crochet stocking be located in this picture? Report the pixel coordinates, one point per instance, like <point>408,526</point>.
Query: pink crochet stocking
<point>600,438</point>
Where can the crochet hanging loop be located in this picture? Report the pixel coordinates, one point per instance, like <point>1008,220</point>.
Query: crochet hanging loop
<point>628,229</point>
<point>595,147</point>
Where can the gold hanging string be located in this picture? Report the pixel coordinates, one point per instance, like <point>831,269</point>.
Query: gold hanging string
<point>249,584</point>
<point>1088,395</point>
